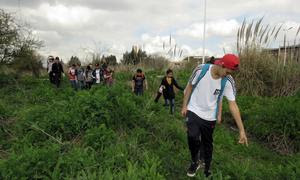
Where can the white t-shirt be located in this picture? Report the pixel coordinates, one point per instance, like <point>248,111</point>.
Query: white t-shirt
<point>203,100</point>
<point>50,67</point>
<point>98,76</point>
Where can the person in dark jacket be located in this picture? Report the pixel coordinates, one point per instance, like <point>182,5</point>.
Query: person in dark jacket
<point>49,69</point>
<point>97,74</point>
<point>167,88</point>
<point>57,69</point>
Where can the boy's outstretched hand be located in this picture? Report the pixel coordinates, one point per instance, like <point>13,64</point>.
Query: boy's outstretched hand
<point>243,138</point>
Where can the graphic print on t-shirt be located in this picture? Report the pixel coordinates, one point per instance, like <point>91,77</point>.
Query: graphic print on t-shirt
<point>217,92</point>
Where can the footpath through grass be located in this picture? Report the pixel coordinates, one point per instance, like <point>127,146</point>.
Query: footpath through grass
<point>108,133</point>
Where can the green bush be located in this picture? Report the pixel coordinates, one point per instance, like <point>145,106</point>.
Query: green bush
<point>273,120</point>
<point>109,133</point>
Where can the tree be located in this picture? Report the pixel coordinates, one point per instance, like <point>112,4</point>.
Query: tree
<point>9,35</point>
<point>18,46</point>
<point>135,57</point>
<point>96,59</point>
<point>74,60</point>
<point>111,60</point>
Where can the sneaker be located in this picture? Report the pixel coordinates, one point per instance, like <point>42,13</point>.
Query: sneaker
<point>207,174</point>
<point>191,172</point>
<point>201,163</point>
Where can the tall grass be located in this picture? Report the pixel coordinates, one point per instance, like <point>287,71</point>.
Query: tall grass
<point>263,73</point>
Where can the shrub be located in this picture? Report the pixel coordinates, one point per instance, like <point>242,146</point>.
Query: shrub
<point>272,120</point>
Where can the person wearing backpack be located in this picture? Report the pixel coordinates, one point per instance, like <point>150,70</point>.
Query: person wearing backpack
<point>167,86</point>
<point>89,77</point>
<point>80,77</point>
<point>57,70</point>
<point>72,73</point>
<point>202,106</point>
<point>138,82</point>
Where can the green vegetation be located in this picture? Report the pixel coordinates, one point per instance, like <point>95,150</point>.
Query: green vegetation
<point>108,133</point>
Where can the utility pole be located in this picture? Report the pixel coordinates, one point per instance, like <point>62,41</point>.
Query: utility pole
<point>284,41</point>
<point>204,32</point>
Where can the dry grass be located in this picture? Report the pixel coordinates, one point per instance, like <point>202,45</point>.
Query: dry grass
<point>261,73</point>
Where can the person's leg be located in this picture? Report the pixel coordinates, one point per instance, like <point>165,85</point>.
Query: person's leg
<point>72,84</point>
<point>201,153</point>
<point>141,91</point>
<point>89,85</point>
<point>193,133</point>
<point>207,129</point>
<point>57,81</point>
<point>136,92</point>
<point>50,78</point>
<point>75,85</point>
<point>172,106</point>
<point>166,102</point>
<point>81,85</point>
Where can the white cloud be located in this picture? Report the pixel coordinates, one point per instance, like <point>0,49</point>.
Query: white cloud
<point>161,45</point>
<point>61,14</point>
<point>69,26</point>
<point>221,28</point>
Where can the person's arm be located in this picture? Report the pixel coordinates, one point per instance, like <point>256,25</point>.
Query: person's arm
<point>177,86</point>
<point>234,109</point>
<point>132,85</point>
<point>69,71</point>
<point>146,84</point>
<point>62,69</point>
<point>94,74</point>
<point>187,94</point>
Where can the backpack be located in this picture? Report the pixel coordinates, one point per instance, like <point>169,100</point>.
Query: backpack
<point>204,70</point>
<point>80,74</point>
<point>89,75</point>
<point>139,83</point>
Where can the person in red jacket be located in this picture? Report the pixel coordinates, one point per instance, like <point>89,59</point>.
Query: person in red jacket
<point>72,73</point>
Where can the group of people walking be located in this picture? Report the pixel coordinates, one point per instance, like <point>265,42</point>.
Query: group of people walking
<point>202,102</point>
<point>79,77</point>
<point>202,105</point>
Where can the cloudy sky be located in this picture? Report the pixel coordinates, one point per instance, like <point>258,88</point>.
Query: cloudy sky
<point>82,27</point>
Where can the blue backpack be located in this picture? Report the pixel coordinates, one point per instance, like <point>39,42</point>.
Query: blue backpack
<point>204,70</point>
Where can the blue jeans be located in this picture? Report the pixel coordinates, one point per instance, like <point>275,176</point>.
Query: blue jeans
<point>81,85</point>
<point>139,91</point>
<point>171,103</point>
<point>74,84</point>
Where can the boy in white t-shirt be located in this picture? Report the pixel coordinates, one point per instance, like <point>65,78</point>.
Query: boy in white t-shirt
<point>200,107</point>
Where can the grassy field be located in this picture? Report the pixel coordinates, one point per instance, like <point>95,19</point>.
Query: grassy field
<point>108,133</point>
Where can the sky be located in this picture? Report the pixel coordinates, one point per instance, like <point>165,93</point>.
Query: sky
<point>84,27</point>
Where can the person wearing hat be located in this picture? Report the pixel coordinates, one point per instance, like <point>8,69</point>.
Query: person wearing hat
<point>201,107</point>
